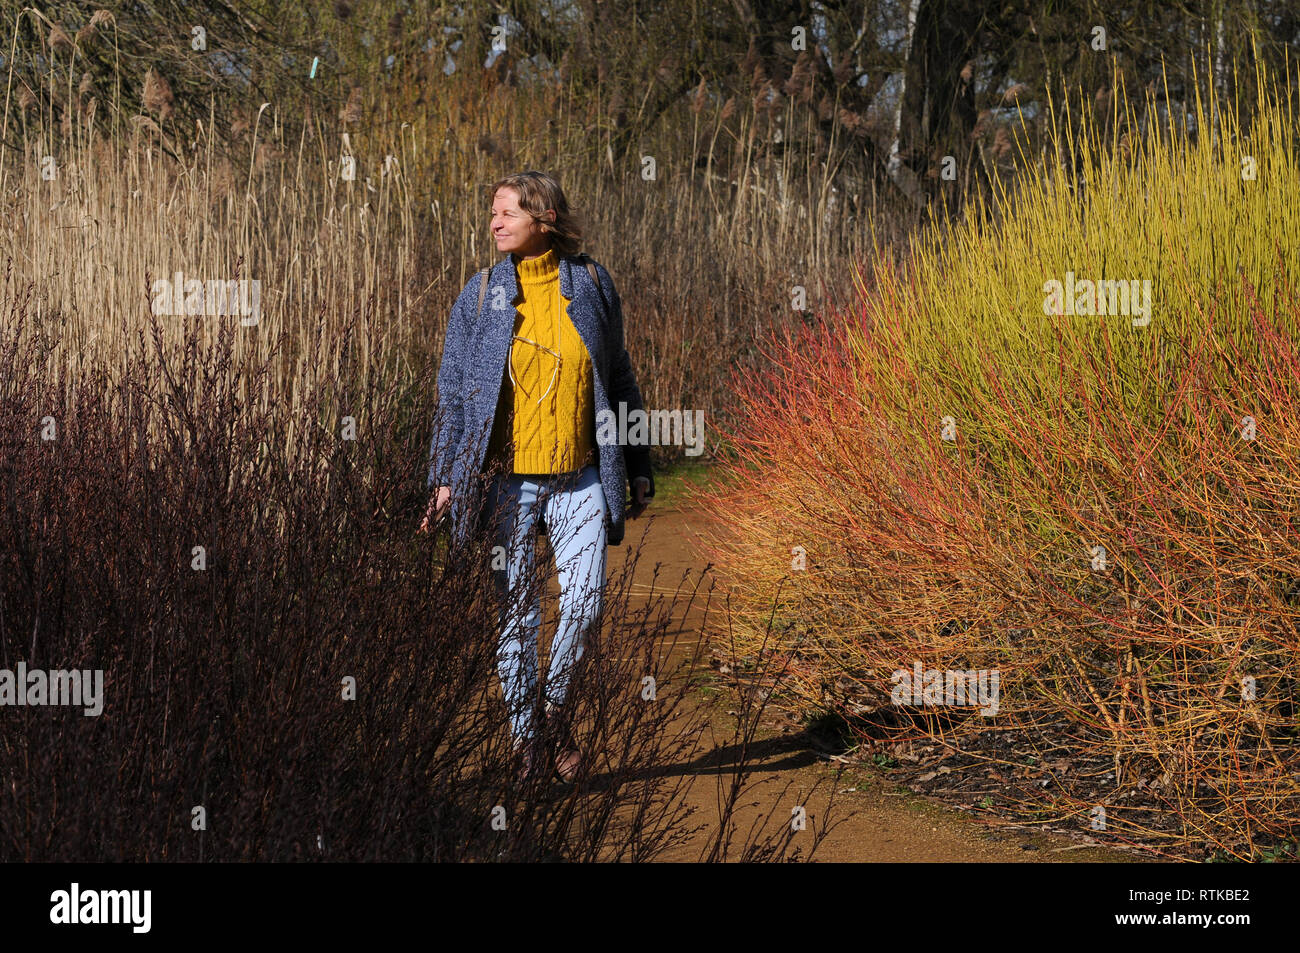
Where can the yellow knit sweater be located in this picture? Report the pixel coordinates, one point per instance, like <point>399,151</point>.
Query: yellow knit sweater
<point>553,413</point>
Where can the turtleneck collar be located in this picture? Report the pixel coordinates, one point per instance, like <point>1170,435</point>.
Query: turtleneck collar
<point>538,270</point>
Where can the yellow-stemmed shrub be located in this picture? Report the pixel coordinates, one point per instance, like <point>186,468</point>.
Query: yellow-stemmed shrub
<point>1099,507</point>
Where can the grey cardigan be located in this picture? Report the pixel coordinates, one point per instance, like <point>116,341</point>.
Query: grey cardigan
<point>473,366</point>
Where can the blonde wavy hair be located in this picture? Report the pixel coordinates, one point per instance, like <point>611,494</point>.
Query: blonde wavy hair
<point>538,192</point>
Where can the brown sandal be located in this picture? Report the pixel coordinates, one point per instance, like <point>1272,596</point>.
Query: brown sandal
<point>526,755</point>
<point>568,759</point>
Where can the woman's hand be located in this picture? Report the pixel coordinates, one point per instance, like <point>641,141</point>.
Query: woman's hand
<point>639,501</point>
<point>437,506</point>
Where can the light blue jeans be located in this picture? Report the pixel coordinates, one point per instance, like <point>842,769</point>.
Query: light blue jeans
<point>574,507</point>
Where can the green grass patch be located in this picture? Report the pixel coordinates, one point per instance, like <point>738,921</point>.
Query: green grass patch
<point>677,484</point>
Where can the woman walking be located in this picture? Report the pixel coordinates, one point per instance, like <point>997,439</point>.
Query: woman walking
<point>533,355</point>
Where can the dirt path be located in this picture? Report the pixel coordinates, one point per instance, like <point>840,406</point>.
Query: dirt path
<point>878,820</point>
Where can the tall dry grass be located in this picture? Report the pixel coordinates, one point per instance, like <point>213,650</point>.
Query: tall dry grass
<point>740,212</point>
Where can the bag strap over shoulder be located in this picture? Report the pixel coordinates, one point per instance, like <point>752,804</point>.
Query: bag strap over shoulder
<point>482,290</point>
<point>591,270</point>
